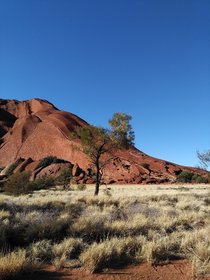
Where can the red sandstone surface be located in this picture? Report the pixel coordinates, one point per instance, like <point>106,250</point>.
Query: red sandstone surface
<point>35,129</point>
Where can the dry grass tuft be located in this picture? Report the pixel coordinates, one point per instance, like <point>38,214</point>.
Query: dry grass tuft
<point>111,253</point>
<point>13,264</point>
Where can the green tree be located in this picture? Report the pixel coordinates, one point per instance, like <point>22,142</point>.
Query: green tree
<point>98,143</point>
<point>121,129</point>
<point>95,142</point>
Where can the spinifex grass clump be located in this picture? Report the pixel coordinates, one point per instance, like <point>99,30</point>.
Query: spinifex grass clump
<point>112,253</point>
<point>13,264</point>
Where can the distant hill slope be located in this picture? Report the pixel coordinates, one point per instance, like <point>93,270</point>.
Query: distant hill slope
<point>36,129</point>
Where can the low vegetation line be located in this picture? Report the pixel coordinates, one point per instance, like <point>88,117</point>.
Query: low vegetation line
<point>72,228</point>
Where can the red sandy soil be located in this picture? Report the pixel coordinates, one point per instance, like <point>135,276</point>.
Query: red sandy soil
<point>178,270</point>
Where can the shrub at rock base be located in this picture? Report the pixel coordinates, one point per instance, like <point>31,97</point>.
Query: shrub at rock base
<point>19,183</point>
<point>189,177</point>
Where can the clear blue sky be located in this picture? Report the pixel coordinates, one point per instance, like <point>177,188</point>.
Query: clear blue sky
<point>148,58</point>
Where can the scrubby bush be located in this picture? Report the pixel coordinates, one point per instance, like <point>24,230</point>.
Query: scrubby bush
<point>185,177</point>
<point>199,179</point>
<point>19,183</point>
<point>81,187</point>
<point>189,177</point>
<point>65,177</point>
<point>41,183</point>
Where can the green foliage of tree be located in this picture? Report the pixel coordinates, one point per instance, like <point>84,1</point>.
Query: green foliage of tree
<point>204,158</point>
<point>122,129</point>
<point>98,143</point>
<point>95,142</point>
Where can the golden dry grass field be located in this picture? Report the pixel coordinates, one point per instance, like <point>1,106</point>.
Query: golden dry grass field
<point>124,225</point>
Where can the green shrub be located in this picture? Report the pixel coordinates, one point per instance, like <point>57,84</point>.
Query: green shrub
<point>189,177</point>
<point>49,160</point>
<point>64,177</point>
<point>13,166</point>
<point>81,187</point>
<point>199,179</point>
<point>41,183</point>
<point>17,183</point>
<point>185,177</point>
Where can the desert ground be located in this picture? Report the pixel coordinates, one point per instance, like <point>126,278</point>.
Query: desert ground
<point>128,232</point>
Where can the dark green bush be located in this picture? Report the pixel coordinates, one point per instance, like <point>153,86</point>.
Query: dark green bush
<point>19,183</point>
<point>199,179</point>
<point>65,177</point>
<point>49,160</point>
<point>185,177</point>
<point>41,183</point>
<point>81,187</point>
<point>189,177</point>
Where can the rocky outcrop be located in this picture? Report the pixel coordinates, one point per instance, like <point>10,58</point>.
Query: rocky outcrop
<point>35,129</point>
<point>53,170</point>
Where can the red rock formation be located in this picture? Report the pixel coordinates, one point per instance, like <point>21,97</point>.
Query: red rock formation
<point>36,129</point>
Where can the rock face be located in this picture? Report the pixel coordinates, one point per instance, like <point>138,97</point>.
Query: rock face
<point>35,129</point>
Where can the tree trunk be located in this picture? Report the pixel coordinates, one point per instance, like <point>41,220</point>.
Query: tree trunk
<point>97,188</point>
<point>98,177</point>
